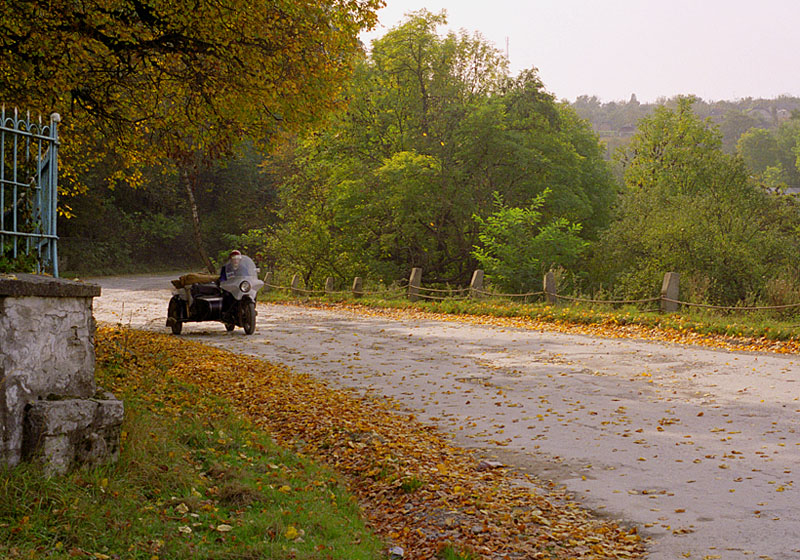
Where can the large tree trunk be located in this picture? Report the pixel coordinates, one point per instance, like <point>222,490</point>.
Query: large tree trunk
<point>189,184</point>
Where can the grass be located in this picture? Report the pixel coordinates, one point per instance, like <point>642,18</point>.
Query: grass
<point>193,481</point>
<point>741,324</point>
<point>450,552</point>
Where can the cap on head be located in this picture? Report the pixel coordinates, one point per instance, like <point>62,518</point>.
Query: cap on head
<point>235,253</point>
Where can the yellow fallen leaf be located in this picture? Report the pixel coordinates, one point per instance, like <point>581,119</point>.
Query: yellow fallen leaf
<point>291,533</point>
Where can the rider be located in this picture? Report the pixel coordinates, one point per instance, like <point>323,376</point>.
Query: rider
<point>234,259</point>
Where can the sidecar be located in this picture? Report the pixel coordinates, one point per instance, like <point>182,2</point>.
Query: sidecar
<point>202,297</point>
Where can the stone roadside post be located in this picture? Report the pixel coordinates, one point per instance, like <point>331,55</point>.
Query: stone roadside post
<point>550,288</point>
<point>476,284</point>
<point>296,285</point>
<point>358,287</point>
<point>414,284</point>
<point>670,290</point>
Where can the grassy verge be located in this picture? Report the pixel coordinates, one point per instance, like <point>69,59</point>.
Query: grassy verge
<point>194,480</point>
<point>738,329</point>
<point>417,490</point>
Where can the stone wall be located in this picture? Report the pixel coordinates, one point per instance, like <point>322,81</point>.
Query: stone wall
<point>46,353</point>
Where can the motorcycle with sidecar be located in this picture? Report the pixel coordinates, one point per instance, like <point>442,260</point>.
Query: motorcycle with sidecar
<point>229,299</point>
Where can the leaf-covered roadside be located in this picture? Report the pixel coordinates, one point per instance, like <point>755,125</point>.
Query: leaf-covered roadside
<point>664,328</point>
<point>418,491</point>
<point>194,480</point>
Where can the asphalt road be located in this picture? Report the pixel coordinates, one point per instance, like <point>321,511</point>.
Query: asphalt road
<point>697,447</point>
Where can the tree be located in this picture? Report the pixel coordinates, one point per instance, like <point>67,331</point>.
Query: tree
<point>759,149</point>
<point>155,78</point>
<point>788,137</point>
<point>689,207</point>
<point>133,61</point>
<point>517,248</point>
<point>773,155</point>
<point>433,128</point>
<point>733,124</point>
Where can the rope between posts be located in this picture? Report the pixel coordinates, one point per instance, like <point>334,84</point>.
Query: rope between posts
<point>484,293</point>
<point>440,298</point>
<point>324,292</point>
<point>609,301</point>
<point>730,308</point>
<point>405,286</point>
<point>392,291</point>
<point>308,292</point>
<point>460,290</point>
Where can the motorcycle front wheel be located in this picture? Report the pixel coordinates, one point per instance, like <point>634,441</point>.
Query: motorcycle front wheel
<point>248,311</point>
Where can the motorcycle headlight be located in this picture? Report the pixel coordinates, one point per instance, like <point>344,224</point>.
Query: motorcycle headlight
<point>244,286</point>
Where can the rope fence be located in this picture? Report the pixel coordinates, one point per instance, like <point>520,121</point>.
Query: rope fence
<point>735,308</point>
<point>451,290</point>
<point>498,294</point>
<point>610,301</point>
<point>414,290</point>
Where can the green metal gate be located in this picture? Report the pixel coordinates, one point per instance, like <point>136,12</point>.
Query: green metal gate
<point>29,188</point>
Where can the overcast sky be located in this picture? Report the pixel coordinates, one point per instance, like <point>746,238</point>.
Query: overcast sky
<point>716,49</point>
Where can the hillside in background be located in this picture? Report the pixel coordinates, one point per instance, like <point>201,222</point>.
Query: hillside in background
<point>615,122</point>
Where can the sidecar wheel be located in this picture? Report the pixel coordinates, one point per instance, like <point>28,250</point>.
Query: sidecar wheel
<point>249,317</point>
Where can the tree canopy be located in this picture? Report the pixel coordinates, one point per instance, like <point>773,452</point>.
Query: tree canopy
<point>143,61</point>
<point>434,127</point>
<point>689,207</point>
<point>176,84</point>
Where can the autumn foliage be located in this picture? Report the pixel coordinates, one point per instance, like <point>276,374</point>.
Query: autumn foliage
<point>417,490</point>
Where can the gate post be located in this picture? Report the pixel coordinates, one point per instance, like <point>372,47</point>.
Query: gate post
<point>267,282</point>
<point>329,284</point>
<point>55,118</point>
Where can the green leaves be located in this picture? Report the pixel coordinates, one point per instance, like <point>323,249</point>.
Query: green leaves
<point>517,249</point>
<point>434,126</point>
<point>691,208</point>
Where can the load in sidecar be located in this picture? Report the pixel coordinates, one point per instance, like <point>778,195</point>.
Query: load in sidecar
<point>229,298</point>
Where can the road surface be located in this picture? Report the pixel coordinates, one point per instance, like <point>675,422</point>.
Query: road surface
<point>697,447</point>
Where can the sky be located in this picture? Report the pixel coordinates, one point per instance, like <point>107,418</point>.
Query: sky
<point>715,49</point>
